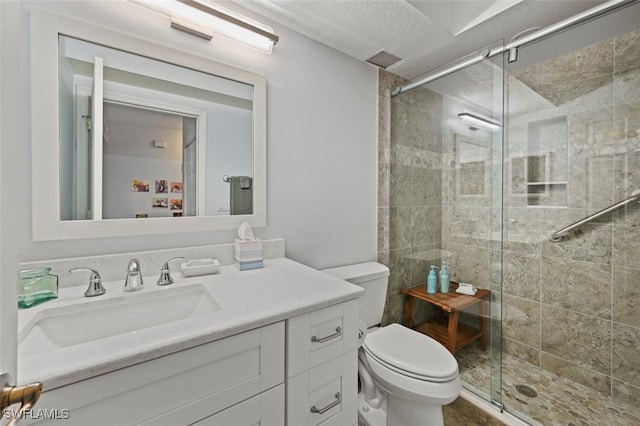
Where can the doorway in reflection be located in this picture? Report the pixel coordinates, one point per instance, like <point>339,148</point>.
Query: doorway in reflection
<point>143,155</point>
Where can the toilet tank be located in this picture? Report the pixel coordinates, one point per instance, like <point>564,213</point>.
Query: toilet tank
<point>374,278</point>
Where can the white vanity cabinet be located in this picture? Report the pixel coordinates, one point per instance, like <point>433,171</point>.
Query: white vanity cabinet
<point>322,367</point>
<point>195,385</point>
<point>281,350</point>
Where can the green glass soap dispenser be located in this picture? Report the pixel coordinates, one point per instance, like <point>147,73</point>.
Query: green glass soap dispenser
<point>36,286</point>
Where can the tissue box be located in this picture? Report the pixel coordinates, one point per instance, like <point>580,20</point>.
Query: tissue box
<point>246,251</point>
<point>245,266</point>
<point>248,254</point>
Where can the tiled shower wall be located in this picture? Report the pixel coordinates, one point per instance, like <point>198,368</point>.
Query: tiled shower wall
<point>572,307</point>
<point>422,218</point>
<point>410,189</point>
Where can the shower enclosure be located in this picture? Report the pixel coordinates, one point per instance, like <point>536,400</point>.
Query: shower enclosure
<point>483,165</point>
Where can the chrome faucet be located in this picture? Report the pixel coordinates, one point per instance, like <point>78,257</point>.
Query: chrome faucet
<point>95,282</point>
<point>133,281</point>
<point>165,273</point>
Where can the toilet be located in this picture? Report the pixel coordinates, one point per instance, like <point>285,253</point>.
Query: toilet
<point>405,376</point>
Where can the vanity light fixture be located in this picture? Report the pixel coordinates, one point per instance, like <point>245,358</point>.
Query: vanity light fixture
<point>204,18</point>
<point>475,121</point>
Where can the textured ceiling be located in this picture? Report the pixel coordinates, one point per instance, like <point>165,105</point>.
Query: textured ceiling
<point>362,28</point>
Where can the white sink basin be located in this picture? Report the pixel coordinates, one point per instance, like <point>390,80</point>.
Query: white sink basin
<point>91,320</point>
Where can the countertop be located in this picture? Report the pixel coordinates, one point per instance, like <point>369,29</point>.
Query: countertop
<point>248,299</point>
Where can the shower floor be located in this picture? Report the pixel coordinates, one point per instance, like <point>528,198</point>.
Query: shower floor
<point>559,401</point>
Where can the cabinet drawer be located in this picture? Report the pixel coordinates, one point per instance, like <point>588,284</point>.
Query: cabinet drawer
<point>266,409</point>
<point>324,391</point>
<point>319,336</point>
<point>179,388</point>
<point>335,420</point>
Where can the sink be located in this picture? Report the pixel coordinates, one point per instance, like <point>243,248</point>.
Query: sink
<point>75,324</point>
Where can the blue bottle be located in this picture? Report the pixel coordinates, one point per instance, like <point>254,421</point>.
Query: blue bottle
<point>432,281</point>
<point>444,278</point>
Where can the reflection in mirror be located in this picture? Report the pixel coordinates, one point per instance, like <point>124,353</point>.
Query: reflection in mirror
<point>474,160</point>
<point>164,140</point>
<point>142,138</point>
<point>473,172</point>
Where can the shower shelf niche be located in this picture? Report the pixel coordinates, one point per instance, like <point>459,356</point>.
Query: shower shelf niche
<point>546,162</point>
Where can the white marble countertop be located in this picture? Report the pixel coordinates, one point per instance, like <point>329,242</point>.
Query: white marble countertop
<point>248,300</point>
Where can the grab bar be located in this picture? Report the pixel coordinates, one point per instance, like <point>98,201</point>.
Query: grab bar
<point>558,235</point>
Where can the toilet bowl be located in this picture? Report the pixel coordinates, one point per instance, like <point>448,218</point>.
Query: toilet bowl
<point>405,377</point>
<point>416,374</point>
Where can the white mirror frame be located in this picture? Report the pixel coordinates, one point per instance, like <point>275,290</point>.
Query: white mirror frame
<point>45,153</point>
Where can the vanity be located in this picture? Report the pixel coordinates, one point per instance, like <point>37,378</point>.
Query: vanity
<point>272,346</point>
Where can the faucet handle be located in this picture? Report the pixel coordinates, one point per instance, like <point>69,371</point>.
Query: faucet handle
<point>133,281</point>
<point>165,273</point>
<point>95,282</point>
<point>134,267</point>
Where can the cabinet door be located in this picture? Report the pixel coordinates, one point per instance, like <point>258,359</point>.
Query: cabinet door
<point>266,409</point>
<point>180,388</point>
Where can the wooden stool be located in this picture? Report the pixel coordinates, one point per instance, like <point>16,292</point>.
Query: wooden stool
<point>452,334</point>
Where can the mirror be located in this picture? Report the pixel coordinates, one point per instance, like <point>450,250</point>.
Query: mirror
<point>180,144</point>
<point>154,116</point>
<point>473,168</point>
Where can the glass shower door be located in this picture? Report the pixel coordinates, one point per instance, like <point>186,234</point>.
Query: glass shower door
<point>564,323</point>
<point>472,204</point>
<point>446,203</point>
<point>571,324</point>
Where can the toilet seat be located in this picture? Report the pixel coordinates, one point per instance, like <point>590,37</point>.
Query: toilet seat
<point>411,354</point>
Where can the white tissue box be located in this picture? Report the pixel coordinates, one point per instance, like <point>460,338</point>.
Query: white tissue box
<point>200,267</point>
<point>248,251</point>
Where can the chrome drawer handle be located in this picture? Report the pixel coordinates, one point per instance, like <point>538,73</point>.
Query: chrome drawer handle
<point>328,407</point>
<point>329,337</point>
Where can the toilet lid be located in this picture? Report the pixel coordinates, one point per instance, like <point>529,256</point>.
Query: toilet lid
<point>411,353</point>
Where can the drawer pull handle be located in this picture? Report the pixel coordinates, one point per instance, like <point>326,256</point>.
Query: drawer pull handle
<point>328,407</point>
<point>329,337</point>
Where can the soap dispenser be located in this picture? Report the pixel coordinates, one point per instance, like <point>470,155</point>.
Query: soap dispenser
<point>432,281</point>
<point>444,278</point>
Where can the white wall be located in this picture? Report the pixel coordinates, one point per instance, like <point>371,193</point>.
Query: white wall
<point>119,201</point>
<point>10,136</point>
<point>322,121</point>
